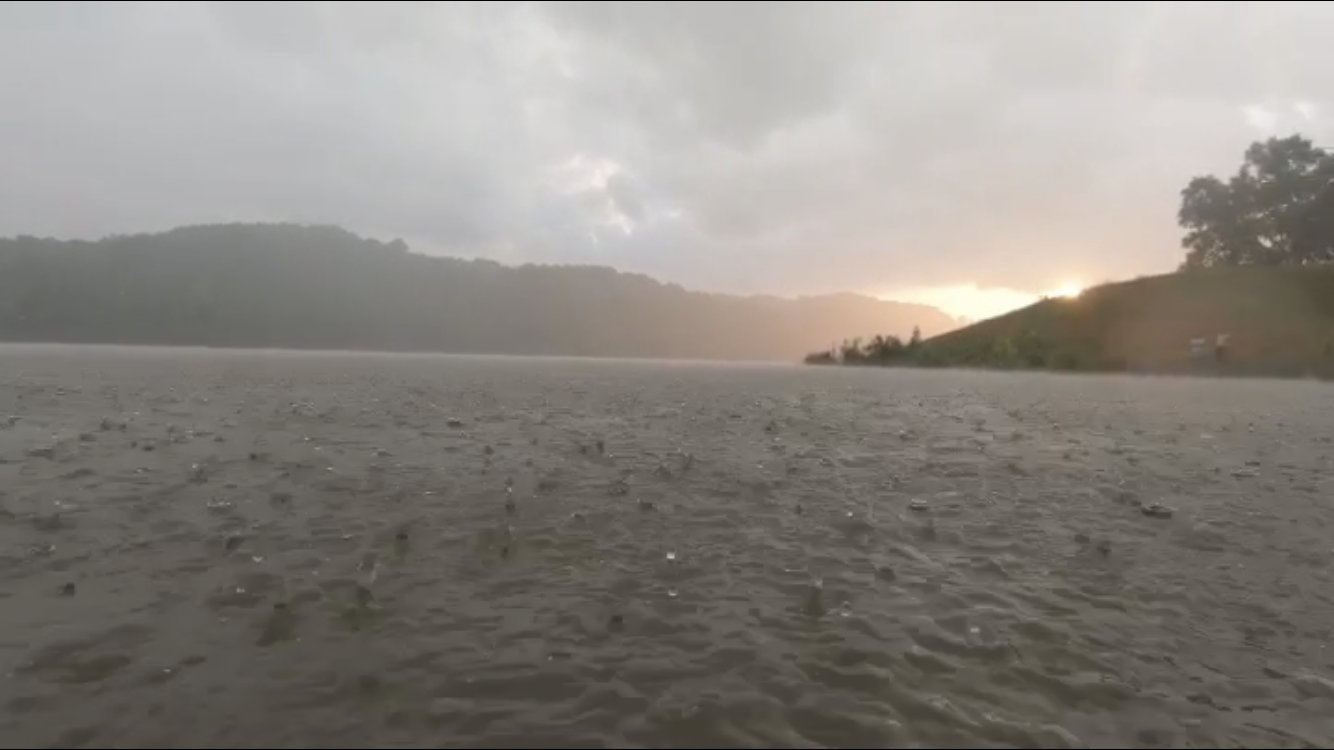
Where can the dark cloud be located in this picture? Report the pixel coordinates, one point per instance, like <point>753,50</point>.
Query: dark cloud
<point>784,147</point>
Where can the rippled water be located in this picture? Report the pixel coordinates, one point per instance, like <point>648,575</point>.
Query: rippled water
<point>213,549</point>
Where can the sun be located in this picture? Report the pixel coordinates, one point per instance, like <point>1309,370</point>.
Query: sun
<point>1068,290</point>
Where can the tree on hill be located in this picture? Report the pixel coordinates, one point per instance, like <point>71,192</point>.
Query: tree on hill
<point>1277,210</point>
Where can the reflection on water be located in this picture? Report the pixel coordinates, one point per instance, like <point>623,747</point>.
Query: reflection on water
<point>316,550</point>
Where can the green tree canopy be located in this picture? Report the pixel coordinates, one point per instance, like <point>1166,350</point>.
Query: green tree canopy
<point>1277,210</point>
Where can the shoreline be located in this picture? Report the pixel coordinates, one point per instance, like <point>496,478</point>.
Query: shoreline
<point>1232,373</point>
<point>424,353</point>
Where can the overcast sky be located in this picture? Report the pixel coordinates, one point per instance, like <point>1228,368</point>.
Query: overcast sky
<point>899,149</point>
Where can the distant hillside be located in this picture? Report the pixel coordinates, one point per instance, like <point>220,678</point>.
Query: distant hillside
<point>1281,321</point>
<point>281,285</point>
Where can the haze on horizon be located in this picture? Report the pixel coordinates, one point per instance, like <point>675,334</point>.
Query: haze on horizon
<point>967,155</point>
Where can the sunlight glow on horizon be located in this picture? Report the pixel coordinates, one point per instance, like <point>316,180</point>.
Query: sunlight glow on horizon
<point>975,302</point>
<point>1067,290</point>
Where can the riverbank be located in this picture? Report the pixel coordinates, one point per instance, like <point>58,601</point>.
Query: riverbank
<point>1277,322</point>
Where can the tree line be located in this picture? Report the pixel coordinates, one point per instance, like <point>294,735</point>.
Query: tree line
<point>320,287</point>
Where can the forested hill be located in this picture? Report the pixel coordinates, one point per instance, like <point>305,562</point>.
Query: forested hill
<point>290,286</point>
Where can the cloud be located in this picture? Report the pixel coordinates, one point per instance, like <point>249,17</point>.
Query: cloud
<point>786,147</point>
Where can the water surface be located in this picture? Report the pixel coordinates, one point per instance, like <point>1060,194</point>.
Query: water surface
<point>246,549</point>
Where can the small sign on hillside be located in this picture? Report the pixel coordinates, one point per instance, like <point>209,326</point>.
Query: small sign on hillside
<point>1199,347</point>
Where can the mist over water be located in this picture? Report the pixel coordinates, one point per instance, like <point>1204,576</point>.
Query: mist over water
<point>207,549</point>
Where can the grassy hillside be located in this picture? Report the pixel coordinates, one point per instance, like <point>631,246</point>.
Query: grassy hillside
<point>1281,322</point>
